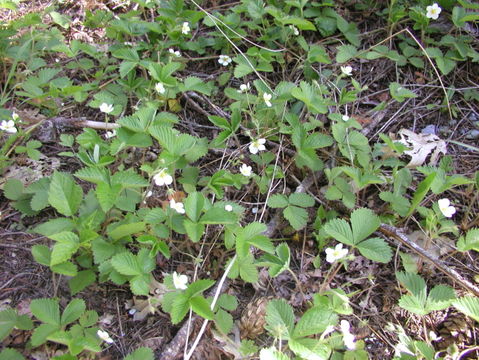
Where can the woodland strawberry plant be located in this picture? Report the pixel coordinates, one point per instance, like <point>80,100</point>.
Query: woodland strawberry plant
<point>210,135</point>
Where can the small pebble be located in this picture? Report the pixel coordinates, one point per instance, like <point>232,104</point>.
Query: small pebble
<point>472,135</point>
<point>430,129</point>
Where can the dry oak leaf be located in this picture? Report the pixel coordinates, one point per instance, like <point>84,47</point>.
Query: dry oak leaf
<point>421,146</point>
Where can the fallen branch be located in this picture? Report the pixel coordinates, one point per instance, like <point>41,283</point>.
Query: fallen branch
<point>398,235</point>
<point>82,122</point>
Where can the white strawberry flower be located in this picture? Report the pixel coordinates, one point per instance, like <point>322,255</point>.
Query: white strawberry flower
<point>244,88</point>
<point>433,11</point>
<point>160,88</point>
<point>228,208</point>
<point>180,281</point>
<point>347,70</point>
<point>246,170</point>
<point>15,116</point>
<point>8,126</point>
<point>267,97</point>
<point>345,118</point>
<point>175,53</point>
<point>106,108</point>
<point>224,60</point>
<point>185,28</point>
<point>335,254</point>
<point>163,178</point>
<point>348,338</point>
<point>104,336</point>
<point>177,206</point>
<point>110,134</point>
<point>295,30</point>
<point>446,208</point>
<point>257,145</point>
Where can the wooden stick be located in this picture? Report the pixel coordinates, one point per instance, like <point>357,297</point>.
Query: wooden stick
<point>398,235</point>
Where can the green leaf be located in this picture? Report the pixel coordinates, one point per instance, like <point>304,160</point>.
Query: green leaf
<point>421,191</point>
<point>126,67</point>
<point>314,321</point>
<point>227,302</point>
<point>198,287</point>
<point>41,254</point>
<point>363,222</point>
<point>224,321</point>
<point>202,307</point>
<point>440,297</point>
<point>73,311</point>
<point>13,189</point>
<point>193,83</point>
<point>46,310</point>
<point>8,320</point>
<point>340,230</point>
<point>301,199</point>
<point>412,304</point>
<point>318,53</point>
<point>67,245</point>
<point>107,195</point>
<point>277,201</point>
<point>10,354</point>
<point>194,204</point>
<point>54,226</point>
<point>297,217</point>
<point>219,121</point>
<point>399,93</point>
<point>470,241</point>
<point>142,353</point>
<point>102,250</point>
<point>66,268</point>
<point>194,230</point>
<point>127,229</point>
<point>126,264</point>
<point>60,19</point>
<point>345,53</point>
<point>468,305</point>
<point>279,319</point>
<point>308,348</point>
<point>140,285</point>
<point>81,281</point>
<point>155,216</point>
<point>219,216</point>
<point>64,195</point>
<point>180,308</point>
<point>129,179</point>
<point>375,249</point>
<point>41,333</point>
<point>416,286</point>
